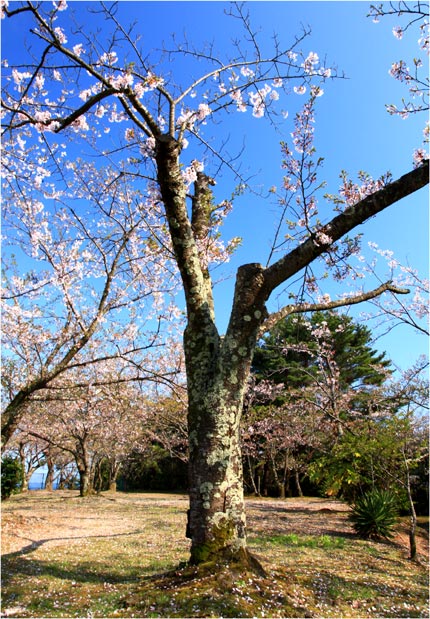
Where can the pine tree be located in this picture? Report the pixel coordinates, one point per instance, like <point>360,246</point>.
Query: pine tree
<point>292,352</point>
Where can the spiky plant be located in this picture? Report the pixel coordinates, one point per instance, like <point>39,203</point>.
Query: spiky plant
<point>375,514</point>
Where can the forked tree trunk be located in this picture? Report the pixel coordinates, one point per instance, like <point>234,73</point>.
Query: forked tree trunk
<point>217,373</point>
<point>218,368</point>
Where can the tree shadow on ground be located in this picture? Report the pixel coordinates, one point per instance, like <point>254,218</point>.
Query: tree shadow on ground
<point>35,544</point>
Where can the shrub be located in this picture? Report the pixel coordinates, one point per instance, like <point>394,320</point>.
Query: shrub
<point>11,476</point>
<point>374,514</point>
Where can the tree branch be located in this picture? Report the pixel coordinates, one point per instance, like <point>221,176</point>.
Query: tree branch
<point>350,218</point>
<point>302,308</point>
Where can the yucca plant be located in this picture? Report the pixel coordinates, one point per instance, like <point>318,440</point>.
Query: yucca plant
<point>375,514</point>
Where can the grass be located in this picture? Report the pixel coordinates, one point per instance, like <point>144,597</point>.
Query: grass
<point>303,541</point>
<point>125,556</point>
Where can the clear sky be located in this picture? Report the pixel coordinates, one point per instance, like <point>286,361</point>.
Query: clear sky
<point>353,131</point>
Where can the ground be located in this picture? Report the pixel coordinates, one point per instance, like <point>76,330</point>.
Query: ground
<point>124,555</point>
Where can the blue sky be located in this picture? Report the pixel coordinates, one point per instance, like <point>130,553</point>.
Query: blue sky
<point>353,131</point>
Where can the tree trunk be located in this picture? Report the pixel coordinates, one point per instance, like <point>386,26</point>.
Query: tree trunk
<point>216,519</point>
<point>217,524</point>
<point>114,469</point>
<point>252,476</point>
<point>84,482</point>
<point>413,513</point>
<point>50,474</point>
<point>297,480</point>
<point>217,375</point>
<point>25,480</point>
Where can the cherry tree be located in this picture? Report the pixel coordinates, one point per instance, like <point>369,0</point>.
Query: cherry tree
<point>31,453</point>
<point>82,86</point>
<point>281,428</point>
<point>92,423</point>
<point>90,260</point>
<point>312,378</point>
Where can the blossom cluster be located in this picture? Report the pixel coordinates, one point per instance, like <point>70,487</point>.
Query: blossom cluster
<point>351,192</point>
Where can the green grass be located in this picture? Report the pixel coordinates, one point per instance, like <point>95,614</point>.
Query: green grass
<point>303,541</point>
<point>126,557</point>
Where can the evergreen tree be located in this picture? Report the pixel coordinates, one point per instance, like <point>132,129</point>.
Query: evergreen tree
<point>296,349</point>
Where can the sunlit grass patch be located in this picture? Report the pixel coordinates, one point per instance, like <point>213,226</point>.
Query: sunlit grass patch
<point>305,541</point>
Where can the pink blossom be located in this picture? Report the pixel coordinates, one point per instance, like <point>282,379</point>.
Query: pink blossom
<point>18,77</point>
<point>109,58</point>
<point>186,118</point>
<point>398,32</point>
<point>400,71</point>
<point>190,173</point>
<point>122,80</point>
<point>299,90</point>
<point>310,62</point>
<point>139,90</point>
<point>236,95</point>
<point>60,35</point>
<point>423,41</point>
<point>3,8</point>
<point>42,117</point>
<point>246,72</point>
<point>81,124</point>
<point>203,111</point>
<point>323,239</point>
<point>60,6</point>
<point>258,111</point>
<point>78,49</point>
<point>39,81</point>
<point>420,155</point>
<point>316,91</point>
<point>152,81</point>
<point>148,148</point>
<point>85,94</point>
<point>100,111</point>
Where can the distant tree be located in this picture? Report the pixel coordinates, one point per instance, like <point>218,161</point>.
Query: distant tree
<point>11,476</point>
<point>312,375</point>
<point>93,424</point>
<point>384,450</point>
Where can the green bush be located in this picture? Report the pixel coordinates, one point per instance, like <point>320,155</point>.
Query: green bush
<point>11,476</point>
<point>375,514</point>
